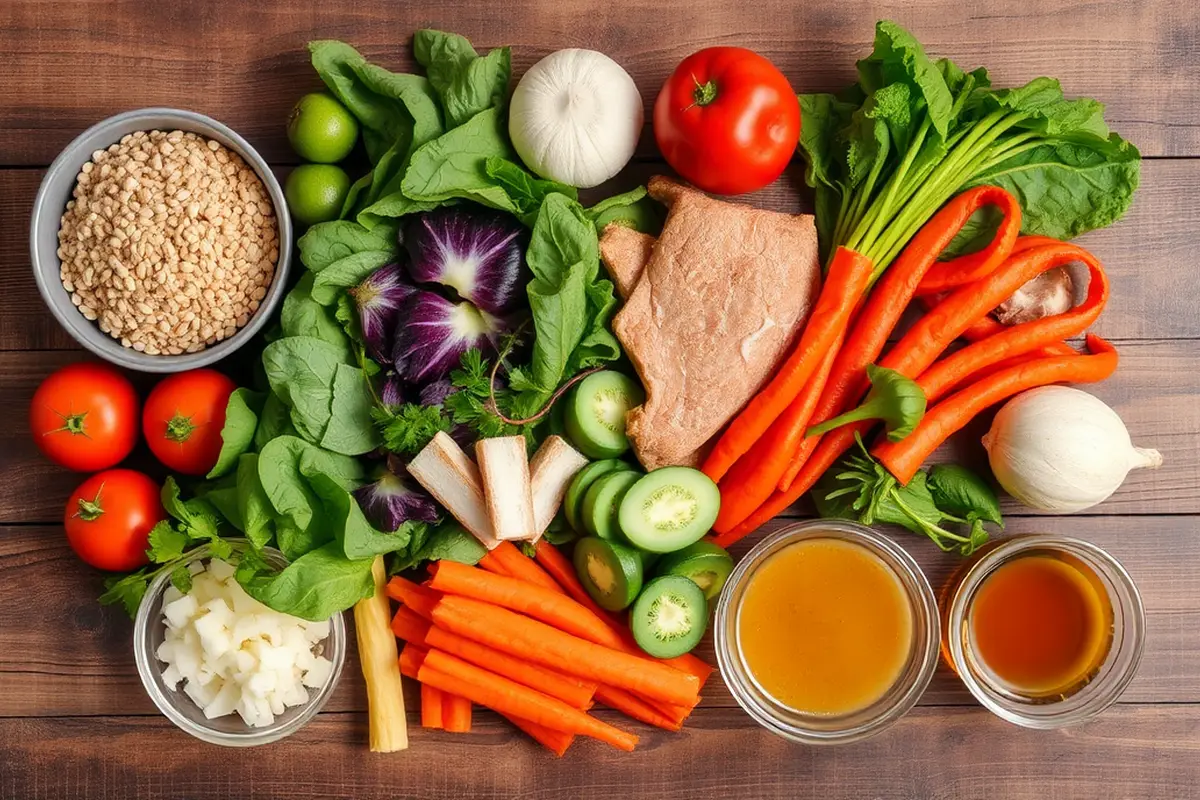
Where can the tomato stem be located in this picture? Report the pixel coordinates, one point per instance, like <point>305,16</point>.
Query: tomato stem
<point>72,423</point>
<point>90,510</point>
<point>704,93</point>
<point>179,428</point>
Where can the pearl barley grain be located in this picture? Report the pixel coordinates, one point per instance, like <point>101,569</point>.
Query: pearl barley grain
<point>149,238</point>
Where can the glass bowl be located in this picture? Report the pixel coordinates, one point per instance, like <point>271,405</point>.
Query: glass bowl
<point>819,728</point>
<point>229,730</point>
<point>1102,689</point>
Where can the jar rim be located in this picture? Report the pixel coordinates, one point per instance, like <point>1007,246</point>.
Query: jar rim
<point>1115,673</point>
<point>914,678</point>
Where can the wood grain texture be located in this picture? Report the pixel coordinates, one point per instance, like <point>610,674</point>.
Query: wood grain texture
<point>85,666</point>
<point>71,63</point>
<point>932,754</point>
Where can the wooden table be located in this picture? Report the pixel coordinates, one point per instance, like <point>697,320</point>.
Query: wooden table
<point>74,720</point>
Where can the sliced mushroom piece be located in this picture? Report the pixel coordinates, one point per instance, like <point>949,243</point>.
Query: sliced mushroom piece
<point>1050,293</point>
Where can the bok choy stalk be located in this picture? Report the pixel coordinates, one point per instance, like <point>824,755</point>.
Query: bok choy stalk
<point>387,727</point>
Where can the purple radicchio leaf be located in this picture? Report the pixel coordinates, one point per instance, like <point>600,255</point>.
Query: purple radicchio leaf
<point>391,393</point>
<point>479,254</point>
<point>434,333</point>
<point>435,393</point>
<point>379,299</point>
<point>390,501</point>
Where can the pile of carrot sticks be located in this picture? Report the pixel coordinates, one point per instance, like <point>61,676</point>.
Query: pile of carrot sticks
<point>522,637</point>
<point>765,460</point>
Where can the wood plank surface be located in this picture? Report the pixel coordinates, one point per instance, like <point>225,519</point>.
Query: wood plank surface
<point>70,63</point>
<point>1132,753</point>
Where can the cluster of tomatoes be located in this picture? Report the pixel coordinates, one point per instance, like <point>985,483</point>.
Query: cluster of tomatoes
<point>85,417</point>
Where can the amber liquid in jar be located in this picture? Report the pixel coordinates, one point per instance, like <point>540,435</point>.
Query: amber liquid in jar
<point>1041,625</point>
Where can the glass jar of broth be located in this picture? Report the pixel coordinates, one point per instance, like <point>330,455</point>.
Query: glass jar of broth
<point>1045,631</point>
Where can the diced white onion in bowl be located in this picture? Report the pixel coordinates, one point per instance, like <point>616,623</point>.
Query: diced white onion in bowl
<point>233,654</point>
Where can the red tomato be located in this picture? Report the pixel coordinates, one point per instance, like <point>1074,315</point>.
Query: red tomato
<point>109,518</point>
<point>84,417</point>
<point>727,120</point>
<point>183,418</point>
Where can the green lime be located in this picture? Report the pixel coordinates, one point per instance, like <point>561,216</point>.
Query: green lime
<point>315,192</point>
<point>321,130</point>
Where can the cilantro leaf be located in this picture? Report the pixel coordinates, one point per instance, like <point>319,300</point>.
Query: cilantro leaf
<point>166,543</point>
<point>410,427</point>
<point>128,591</point>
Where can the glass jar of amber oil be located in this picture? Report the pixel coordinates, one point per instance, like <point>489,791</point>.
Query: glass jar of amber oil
<point>1046,631</point>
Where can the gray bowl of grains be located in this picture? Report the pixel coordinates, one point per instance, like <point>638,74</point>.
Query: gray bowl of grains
<point>160,240</point>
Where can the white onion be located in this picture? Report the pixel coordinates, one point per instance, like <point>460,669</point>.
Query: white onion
<point>1061,450</point>
<point>233,654</point>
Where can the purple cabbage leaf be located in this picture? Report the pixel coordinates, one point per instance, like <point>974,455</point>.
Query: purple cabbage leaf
<point>434,333</point>
<point>379,299</point>
<point>390,500</point>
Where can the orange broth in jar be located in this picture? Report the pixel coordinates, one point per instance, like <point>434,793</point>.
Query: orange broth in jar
<point>825,627</point>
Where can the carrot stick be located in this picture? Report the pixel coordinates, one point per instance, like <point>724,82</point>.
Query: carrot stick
<point>414,630</point>
<point>633,706</point>
<point>456,713</point>
<point>539,642</point>
<point>905,457</point>
<point>1019,340</point>
<point>549,605</point>
<point>480,686</point>
<point>431,708</point>
<point>420,599</point>
<point>755,475</point>
<point>492,564</point>
<point>411,658</point>
<point>556,742</point>
<point>849,273</point>
<point>517,565</point>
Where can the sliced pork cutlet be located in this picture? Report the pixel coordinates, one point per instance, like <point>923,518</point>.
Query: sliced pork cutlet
<point>625,253</point>
<point>725,292</point>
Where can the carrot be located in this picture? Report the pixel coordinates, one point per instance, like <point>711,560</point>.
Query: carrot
<point>538,642</point>
<point>549,605</point>
<point>480,686</point>
<point>631,705</point>
<point>755,475</point>
<point>874,324</point>
<point>563,572</point>
<point>414,630</point>
<point>943,275</point>
<point>905,457</point>
<point>420,599</point>
<point>492,564</point>
<point>456,713</point>
<point>517,565</point>
<point>556,742</point>
<point>432,706</point>
<point>411,658</point>
<point>1019,340</point>
<point>849,273</point>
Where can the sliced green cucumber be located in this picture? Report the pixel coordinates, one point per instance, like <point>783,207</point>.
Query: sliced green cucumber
<point>595,413</point>
<point>573,500</point>
<point>669,509</point>
<point>601,501</point>
<point>669,617</point>
<point>707,564</point>
<point>610,571</point>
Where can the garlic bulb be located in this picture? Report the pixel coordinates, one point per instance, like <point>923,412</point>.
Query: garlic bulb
<point>575,117</point>
<point>1061,450</point>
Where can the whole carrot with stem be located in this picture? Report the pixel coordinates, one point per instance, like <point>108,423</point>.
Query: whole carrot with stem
<point>847,279</point>
<point>480,686</point>
<point>904,458</point>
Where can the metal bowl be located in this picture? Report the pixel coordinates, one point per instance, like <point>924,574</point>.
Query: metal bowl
<point>56,191</point>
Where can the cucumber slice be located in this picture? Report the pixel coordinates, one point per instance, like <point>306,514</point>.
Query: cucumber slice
<point>706,564</point>
<point>573,499</point>
<point>669,617</point>
<point>611,572</point>
<point>595,413</point>
<point>603,498</point>
<point>669,509</point>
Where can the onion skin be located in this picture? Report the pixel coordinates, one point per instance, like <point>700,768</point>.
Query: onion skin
<point>1061,450</point>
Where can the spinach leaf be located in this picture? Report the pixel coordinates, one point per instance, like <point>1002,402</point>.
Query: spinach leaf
<point>526,191</point>
<point>254,507</point>
<point>275,421</point>
<point>448,541</point>
<point>466,83</point>
<point>346,272</point>
<point>327,242</point>
<point>283,467</point>
<point>454,166</point>
<point>303,316</point>
<point>225,500</point>
<point>314,586</point>
<point>350,430</point>
<point>237,434</point>
<point>301,371</point>
<point>899,58</point>
<point>959,491</point>
<point>562,236</point>
<point>1050,113</point>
